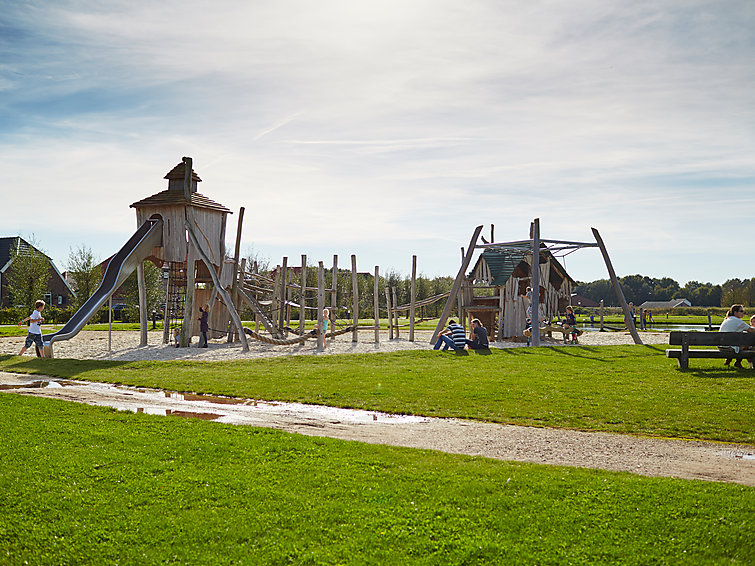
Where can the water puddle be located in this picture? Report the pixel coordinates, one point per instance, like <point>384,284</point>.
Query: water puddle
<point>231,410</point>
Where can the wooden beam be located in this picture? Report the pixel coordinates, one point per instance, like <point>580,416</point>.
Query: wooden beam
<point>535,282</point>
<point>412,298</point>
<point>457,284</point>
<point>617,288</point>
<point>142,287</point>
<point>376,304</point>
<point>303,294</point>
<point>236,251</point>
<point>354,299</point>
<point>190,223</point>
<point>320,306</point>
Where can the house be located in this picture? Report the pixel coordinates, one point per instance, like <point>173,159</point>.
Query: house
<point>665,305</point>
<point>58,293</point>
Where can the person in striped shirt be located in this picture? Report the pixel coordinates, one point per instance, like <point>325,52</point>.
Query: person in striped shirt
<point>452,337</point>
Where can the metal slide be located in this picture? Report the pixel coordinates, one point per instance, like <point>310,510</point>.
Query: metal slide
<point>148,236</point>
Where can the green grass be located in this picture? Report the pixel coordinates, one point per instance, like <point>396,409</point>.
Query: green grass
<point>621,389</point>
<point>88,485</point>
<point>14,330</point>
<point>659,319</point>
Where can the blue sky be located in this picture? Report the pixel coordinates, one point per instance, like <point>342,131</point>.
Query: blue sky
<point>392,128</point>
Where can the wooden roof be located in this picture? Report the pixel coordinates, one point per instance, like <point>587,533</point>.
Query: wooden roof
<point>168,198</point>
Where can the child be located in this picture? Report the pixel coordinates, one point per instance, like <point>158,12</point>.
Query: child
<point>203,325</point>
<point>176,337</point>
<point>35,329</point>
<point>571,321</point>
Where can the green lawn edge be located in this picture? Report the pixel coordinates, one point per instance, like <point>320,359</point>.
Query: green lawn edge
<point>620,389</point>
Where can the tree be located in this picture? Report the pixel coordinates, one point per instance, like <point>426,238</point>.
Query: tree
<point>85,273</point>
<point>28,275</point>
<point>155,291</point>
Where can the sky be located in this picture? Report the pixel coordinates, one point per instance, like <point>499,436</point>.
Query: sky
<point>390,129</point>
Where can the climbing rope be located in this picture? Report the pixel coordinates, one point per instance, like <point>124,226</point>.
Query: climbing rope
<point>288,342</point>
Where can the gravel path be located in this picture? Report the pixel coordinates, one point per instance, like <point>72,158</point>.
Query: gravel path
<point>645,456</point>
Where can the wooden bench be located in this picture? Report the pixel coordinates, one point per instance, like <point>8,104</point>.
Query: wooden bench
<point>687,339</point>
<point>550,329</point>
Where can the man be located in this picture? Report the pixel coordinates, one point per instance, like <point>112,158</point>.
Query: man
<point>734,323</point>
<point>478,336</point>
<point>453,337</point>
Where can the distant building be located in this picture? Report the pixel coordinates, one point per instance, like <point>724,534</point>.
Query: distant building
<point>661,305</point>
<point>580,301</point>
<point>59,292</point>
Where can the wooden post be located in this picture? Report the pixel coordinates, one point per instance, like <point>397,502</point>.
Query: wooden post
<point>109,324</point>
<point>334,287</point>
<point>412,298</point>
<point>355,299</point>
<point>388,308</point>
<point>501,304</point>
<point>188,322</point>
<point>710,325</point>
<point>320,306</point>
<point>457,284</point>
<point>303,294</point>
<point>376,304</point>
<point>395,310</point>
<point>234,287</point>
<point>256,271</point>
<point>283,290</point>
<point>142,285</point>
<point>492,237</point>
<point>166,316</point>
<point>617,288</point>
<point>602,325</point>
<point>535,282</point>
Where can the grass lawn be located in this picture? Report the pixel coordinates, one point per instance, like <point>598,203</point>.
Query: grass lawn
<point>88,485</point>
<point>624,389</point>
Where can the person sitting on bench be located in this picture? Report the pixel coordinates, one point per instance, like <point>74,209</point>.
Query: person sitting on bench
<point>734,323</point>
<point>478,336</point>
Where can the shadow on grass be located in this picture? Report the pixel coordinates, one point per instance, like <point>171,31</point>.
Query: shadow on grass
<point>57,367</point>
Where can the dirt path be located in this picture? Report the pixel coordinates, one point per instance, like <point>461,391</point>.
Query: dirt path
<point>645,456</point>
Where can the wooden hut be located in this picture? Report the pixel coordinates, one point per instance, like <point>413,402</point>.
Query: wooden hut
<point>509,272</point>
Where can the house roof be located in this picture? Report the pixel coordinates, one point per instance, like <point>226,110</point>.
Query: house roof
<point>666,304</point>
<point>580,301</point>
<point>503,261</point>
<point>7,247</point>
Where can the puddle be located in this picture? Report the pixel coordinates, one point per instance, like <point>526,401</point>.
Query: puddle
<point>230,410</point>
<point>39,384</point>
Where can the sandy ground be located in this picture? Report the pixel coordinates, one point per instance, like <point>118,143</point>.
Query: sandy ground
<point>645,456</point>
<point>125,346</point>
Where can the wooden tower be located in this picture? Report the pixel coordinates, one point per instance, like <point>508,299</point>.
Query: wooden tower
<point>193,244</point>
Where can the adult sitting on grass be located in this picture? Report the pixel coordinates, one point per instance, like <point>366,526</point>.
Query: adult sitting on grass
<point>452,337</point>
<point>734,323</point>
<point>478,336</point>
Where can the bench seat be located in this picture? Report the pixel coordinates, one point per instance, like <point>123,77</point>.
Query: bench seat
<point>687,339</point>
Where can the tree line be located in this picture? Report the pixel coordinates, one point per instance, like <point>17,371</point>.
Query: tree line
<point>639,288</point>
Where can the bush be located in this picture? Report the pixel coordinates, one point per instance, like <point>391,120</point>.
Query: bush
<point>12,315</point>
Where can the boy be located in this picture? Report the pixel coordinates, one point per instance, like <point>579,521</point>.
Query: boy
<point>35,328</point>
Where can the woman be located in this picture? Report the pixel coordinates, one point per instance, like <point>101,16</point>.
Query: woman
<point>734,323</point>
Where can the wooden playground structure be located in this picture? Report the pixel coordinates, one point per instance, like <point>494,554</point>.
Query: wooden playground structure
<point>184,232</point>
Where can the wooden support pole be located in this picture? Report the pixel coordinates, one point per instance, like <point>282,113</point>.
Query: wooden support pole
<point>376,304</point>
<point>188,322</point>
<point>167,314</point>
<point>602,325</point>
<point>388,309</point>
<point>236,251</point>
<point>395,310</point>
<point>303,294</point>
<point>501,304</point>
<point>617,288</point>
<point>334,287</point>
<point>320,306</point>
<point>492,236</point>
<point>283,292</point>
<point>354,299</point>
<point>109,325</point>
<point>412,298</point>
<point>142,285</point>
<point>256,270</point>
<point>190,223</point>
<point>535,282</point>
<point>457,285</point>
